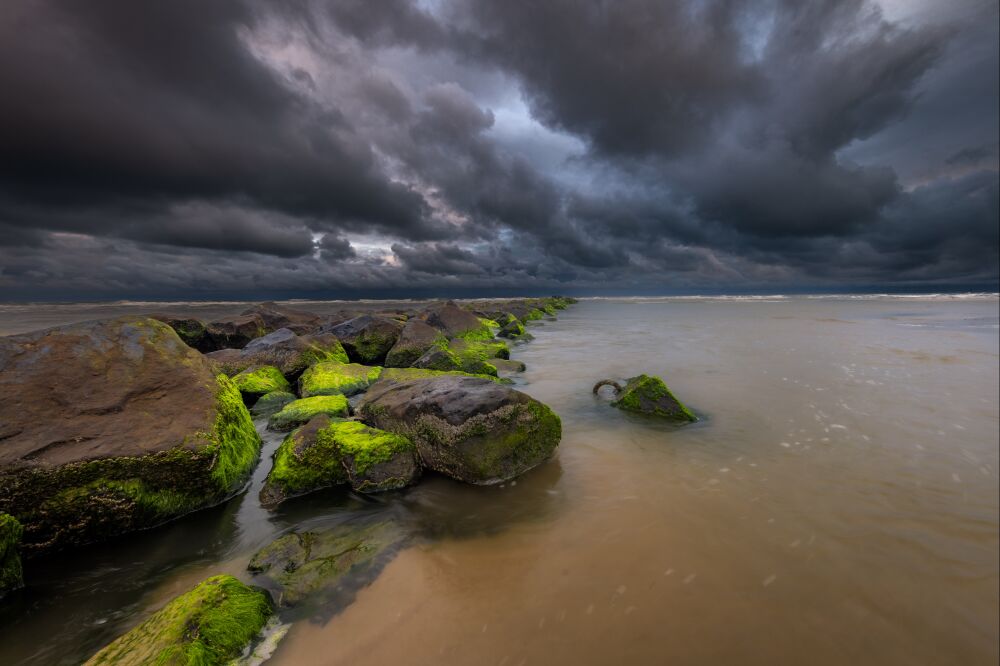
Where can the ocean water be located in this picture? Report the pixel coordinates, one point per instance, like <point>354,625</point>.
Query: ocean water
<point>838,502</point>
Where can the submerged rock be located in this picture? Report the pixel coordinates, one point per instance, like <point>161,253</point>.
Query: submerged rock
<point>11,574</point>
<point>645,394</point>
<point>113,426</point>
<point>416,338</point>
<point>367,339</point>
<point>255,382</point>
<point>271,403</point>
<point>319,564</point>
<point>333,378</point>
<point>302,410</point>
<point>470,429</point>
<point>212,624</point>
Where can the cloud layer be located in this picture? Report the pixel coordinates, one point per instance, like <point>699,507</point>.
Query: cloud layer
<point>337,148</point>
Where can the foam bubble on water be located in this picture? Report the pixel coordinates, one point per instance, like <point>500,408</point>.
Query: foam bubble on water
<point>838,426</point>
<point>668,572</point>
<point>955,477</point>
<point>690,578</point>
<point>770,579</point>
<point>786,445</point>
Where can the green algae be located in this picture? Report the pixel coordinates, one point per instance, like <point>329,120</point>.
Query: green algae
<point>11,572</point>
<point>649,395</point>
<point>260,380</point>
<point>364,445</point>
<point>271,403</point>
<point>332,378</point>
<point>300,411</point>
<point>534,315</point>
<point>410,374</point>
<point>303,462</point>
<point>234,441</point>
<point>211,624</point>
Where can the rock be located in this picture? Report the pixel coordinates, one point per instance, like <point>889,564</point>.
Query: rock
<point>233,332</point>
<point>333,378</point>
<point>112,426</point>
<point>11,574</point>
<point>367,339</point>
<point>318,564</point>
<point>649,395</point>
<point>277,316</point>
<point>512,329</point>
<point>190,330</point>
<point>455,322</point>
<point>326,452</point>
<point>285,350</point>
<point>416,338</point>
<point>302,410</point>
<point>483,350</point>
<point>255,382</point>
<point>271,403</point>
<point>444,359</point>
<point>507,366</point>
<point>470,429</point>
<point>211,624</point>
<point>410,374</point>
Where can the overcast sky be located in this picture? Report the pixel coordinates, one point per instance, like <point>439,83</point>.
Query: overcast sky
<point>384,147</point>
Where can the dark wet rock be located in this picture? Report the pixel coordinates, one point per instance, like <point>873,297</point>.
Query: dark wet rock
<point>285,350</point>
<point>210,625</point>
<point>470,429</point>
<point>416,338</point>
<point>11,573</point>
<point>649,395</point>
<point>455,322</point>
<point>233,332</point>
<point>190,330</point>
<point>303,410</point>
<point>507,366</point>
<point>271,403</point>
<point>513,328</point>
<point>329,452</point>
<point>318,565</point>
<point>277,316</point>
<point>367,339</point>
<point>113,426</point>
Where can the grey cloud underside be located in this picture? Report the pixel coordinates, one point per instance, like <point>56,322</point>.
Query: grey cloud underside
<point>242,146</point>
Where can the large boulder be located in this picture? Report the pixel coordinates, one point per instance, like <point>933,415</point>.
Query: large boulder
<point>11,573</point>
<point>470,429</point>
<point>649,395</point>
<point>285,350</point>
<point>316,565</point>
<point>474,356</point>
<point>333,378</point>
<point>277,316</point>
<point>416,338</point>
<point>112,426</point>
<point>211,624</point>
<point>455,322</point>
<point>367,339</point>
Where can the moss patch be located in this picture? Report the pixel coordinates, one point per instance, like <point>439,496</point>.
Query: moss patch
<point>649,395</point>
<point>364,445</point>
<point>331,378</point>
<point>271,403</point>
<point>261,380</point>
<point>11,573</point>
<point>410,374</point>
<point>300,411</point>
<point>234,441</point>
<point>211,624</point>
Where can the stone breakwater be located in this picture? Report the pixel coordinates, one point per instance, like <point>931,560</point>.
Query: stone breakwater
<point>119,425</point>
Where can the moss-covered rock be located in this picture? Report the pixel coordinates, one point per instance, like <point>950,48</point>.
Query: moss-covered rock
<point>305,462</point>
<point>467,428</point>
<point>11,574</point>
<point>411,374</point>
<point>454,322</point>
<point>513,328</point>
<point>333,378</point>
<point>311,566</point>
<point>417,337</point>
<point>116,426</point>
<point>302,410</point>
<point>444,359</point>
<point>271,403</point>
<point>649,395</point>
<point>212,624</point>
<point>507,366</point>
<point>255,382</point>
<point>368,338</point>
<point>375,460</point>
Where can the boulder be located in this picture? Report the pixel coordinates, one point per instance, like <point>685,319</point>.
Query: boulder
<point>649,395</point>
<point>285,350</point>
<point>214,623</point>
<point>11,574</point>
<point>233,332</point>
<point>271,403</point>
<point>318,564</point>
<point>507,366</point>
<point>257,381</point>
<point>303,463</point>
<point>443,359</point>
<point>333,378</point>
<point>277,316</point>
<point>470,429</point>
<point>455,322</point>
<point>112,426</point>
<point>302,410</point>
<point>367,339</point>
<point>410,374</point>
<point>192,331</point>
<point>512,329</point>
<point>416,338</point>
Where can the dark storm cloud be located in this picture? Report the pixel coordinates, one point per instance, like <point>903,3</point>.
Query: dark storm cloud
<point>390,144</point>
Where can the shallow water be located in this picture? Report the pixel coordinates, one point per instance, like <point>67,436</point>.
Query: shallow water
<point>838,502</point>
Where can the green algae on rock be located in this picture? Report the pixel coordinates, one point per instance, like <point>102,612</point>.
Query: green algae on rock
<point>410,374</point>
<point>416,338</point>
<point>255,382</point>
<point>211,624</point>
<point>368,338</point>
<point>271,403</point>
<point>649,395</point>
<point>147,432</point>
<point>303,463</point>
<point>302,410</point>
<point>467,428</point>
<point>11,573</point>
<point>333,378</point>
<point>314,565</point>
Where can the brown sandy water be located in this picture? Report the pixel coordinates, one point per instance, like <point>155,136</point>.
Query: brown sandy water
<point>838,503</point>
